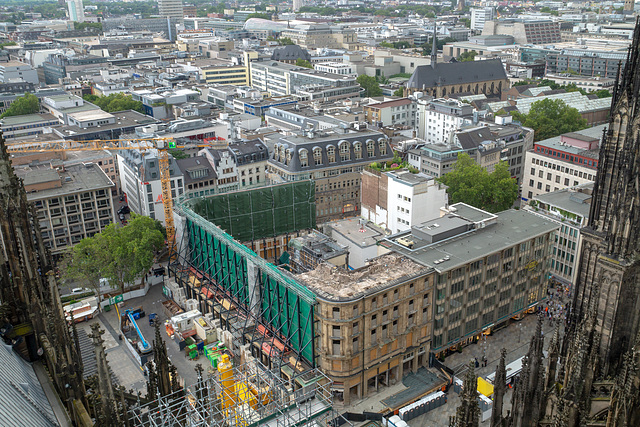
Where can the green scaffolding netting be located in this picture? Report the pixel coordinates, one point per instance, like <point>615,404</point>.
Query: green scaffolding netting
<point>262,212</point>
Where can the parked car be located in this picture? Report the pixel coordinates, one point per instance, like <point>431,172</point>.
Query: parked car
<point>78,291</point>
<point>124,210</point>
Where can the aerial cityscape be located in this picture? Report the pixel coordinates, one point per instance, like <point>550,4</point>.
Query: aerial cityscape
<point>320,213</point>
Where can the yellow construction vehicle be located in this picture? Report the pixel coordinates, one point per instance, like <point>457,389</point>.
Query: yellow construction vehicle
<point>142,144</point>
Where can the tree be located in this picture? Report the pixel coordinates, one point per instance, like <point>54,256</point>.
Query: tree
<point>85,262</point>
<point>370,85</point>
<point>178,154</point>
<point>119,254</point>
<point>551,117</point>
<point>468,56</point>
<point>131,249</point>
<point>470,183</point>
<point>27,104</point>
<point>602,93</point>
<point>88,25</point>
<point>399,92</point>
<point>303,63</point>
<point>115,102</point>
<point>260,16</point>
<point>5,44</point>
<point>285,41</point>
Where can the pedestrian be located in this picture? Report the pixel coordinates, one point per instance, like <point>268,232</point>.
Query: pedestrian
<point>477,363</point>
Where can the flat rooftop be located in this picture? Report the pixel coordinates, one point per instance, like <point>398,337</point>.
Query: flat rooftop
<point>379,273</point>
<point>124,119</point>
<point>510,228</point>
<point>570,200</point>
<point>75,179</point>
<point>363,235</point>
<point>556,143</point>
<point>27,119</point>
<point>91,115</point>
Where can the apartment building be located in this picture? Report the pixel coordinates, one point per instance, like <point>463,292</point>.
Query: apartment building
<point>569,209</point>
<point>397,112</point>
<point>488,268</point>
<point>398,200</point>
<point>438,119</point>
<point>486,145</point>
<point>335,68</point>
<point>171,9</point>
<point>334,159</point>
<point>563,161</point>
<point>72,202</point>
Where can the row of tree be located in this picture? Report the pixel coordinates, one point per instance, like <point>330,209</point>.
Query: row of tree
<point>115,102</point>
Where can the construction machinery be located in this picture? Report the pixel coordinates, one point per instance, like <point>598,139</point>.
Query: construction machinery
<point>162,145</point>
<point>143,346</point>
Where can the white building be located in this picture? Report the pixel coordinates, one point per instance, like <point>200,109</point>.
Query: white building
<point>561,162</point>
<point>140,181</point>
<point>297,4</point>
<point>335,68</point>
<point>171,9</point>
<point>410,199</point>
<point>76,10</point>
<point>438,119</point>
<point>15,72</point>
<point>481,15</point>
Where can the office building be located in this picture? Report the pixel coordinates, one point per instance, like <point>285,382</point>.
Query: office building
<point>76,10</point>
<point>165,26</point>
<point>26,125</point>
<point>592,63</point>
<point>171,9</point>
<point>569,208</point>
<point>397,112</point>
<point>561,162</point>
<point>481,15</point>
<point>17,72</point>
<point>525,32</point>
<point>72,202</point>
<point>488,268</point>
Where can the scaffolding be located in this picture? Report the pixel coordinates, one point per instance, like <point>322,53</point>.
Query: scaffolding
<point>244,396</point>
<point>256,303</point>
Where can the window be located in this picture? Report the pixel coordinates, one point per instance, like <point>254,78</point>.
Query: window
<point>382,145</point>
<point>345,151</point>
<point>317,156</point>
<point>370,149</point>
<point>331,153</point>
<point>304,158</point>
<point>357,149</point>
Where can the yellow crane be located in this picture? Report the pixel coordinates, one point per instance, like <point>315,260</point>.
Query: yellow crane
<point>142,144</point>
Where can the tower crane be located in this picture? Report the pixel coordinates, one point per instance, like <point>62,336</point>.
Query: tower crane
<point>162,145</point>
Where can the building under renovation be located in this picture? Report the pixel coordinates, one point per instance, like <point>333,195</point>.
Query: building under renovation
<point>297,324</point>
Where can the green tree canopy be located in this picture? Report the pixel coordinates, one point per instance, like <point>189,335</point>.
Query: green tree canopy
<point>399,92</point>
<point>115,102</point>
<point>602,93</point>
<point>119,254</point>
<point>468,56</point>
<point>551,117</point>
<point>285,41</point>
<point>470,183</point>
<point>88,25</point>
<point>303,63</point>
<point>27,104</point>
<point>370,85</point>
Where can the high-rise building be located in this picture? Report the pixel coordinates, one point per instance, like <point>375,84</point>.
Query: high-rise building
<point>481,15</point>
<point>76,10</point>
<point>297,4</point>
<point>171,9</point>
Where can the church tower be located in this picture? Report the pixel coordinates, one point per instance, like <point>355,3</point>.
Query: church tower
<point>608,285</point>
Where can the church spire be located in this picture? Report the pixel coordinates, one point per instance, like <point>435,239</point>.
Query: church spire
<point>434,49</point>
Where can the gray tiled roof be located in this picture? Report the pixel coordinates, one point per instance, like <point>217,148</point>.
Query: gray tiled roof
<point>290,53</point>
<point>457,73</point>
<point>24,402</point>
